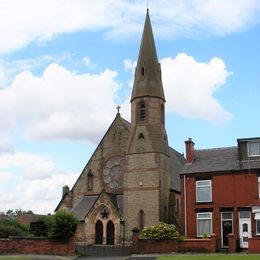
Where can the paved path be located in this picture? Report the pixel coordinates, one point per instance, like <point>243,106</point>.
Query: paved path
<point>117,258</point>
<point>101,258</point>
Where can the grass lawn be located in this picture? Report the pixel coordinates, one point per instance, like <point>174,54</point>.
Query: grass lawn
<point>211,257</point>
<point>14,258</point>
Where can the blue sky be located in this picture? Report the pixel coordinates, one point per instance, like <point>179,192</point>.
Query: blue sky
<point>66,65</point>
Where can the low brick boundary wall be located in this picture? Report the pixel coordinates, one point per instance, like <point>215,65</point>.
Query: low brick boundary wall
<point>36,246</point>
<point>254,245</point>
<point>146,246</point>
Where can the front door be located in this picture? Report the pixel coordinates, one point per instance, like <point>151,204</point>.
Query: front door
<point>226,227</point>
<point>244,229</point>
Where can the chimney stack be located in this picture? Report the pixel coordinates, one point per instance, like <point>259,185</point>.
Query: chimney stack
<point>65,190</point>
<point>190,154</point>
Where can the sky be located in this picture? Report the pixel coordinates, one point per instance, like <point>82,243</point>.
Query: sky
<point>65,65</point>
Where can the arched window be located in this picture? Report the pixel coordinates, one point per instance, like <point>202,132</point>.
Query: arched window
<point>162,114</point>
<point>142,72</point>
<point>142,111</point>
<point>110,233</point>
<point>90,181</point>
<point>99,233</point>
<point>141,219</point>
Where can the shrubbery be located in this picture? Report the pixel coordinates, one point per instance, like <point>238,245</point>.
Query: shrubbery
<point>11,227</point>
<point>161,231</point>
<point>62,225</point>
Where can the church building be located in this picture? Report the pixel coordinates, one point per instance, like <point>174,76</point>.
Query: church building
<point>132,178</point>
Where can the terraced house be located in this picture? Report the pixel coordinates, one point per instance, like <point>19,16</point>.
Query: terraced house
<point>221,192</point>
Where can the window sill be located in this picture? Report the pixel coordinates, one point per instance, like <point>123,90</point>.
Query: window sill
<point>205,202</point>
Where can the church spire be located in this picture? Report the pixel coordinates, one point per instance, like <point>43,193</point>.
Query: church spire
<point>147,81</point>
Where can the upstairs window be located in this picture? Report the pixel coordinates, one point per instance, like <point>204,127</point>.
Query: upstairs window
<point>203,191</point>
<point>253,148</point>
<point>142,111</point>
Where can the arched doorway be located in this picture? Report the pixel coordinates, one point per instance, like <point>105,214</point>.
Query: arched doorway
<point>110,233</point>
<point>99,233</point>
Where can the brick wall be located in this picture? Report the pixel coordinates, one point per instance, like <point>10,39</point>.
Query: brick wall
<point>254,245</point>
<point>36,246</point>
<point>146,246</point>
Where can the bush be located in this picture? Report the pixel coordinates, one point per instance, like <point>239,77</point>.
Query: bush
<point>47,224</point>
<point>64,225</point>
<point>161,231</point>
<point>10,227</point>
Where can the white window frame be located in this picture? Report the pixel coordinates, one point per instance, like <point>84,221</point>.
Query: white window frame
<point>199,184</point>
<point>199,217</point>
<point>249,151</point>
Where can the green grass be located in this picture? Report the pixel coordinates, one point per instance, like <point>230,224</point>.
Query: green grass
<point>211,257</point>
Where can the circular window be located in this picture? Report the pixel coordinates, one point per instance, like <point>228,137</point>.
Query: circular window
<point>112,172</point>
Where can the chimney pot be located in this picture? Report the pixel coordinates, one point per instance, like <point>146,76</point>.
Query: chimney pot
<point>190,153</point>
<point>65,189</point>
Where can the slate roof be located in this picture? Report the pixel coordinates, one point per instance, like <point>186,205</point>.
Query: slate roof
<point>217,160</point>
<point>81,209</point>
<point>177,161</point>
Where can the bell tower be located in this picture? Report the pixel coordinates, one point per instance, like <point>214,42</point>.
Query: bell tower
<point>147,174</point>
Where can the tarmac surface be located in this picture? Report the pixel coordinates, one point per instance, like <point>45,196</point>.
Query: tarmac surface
<point>117,258</point>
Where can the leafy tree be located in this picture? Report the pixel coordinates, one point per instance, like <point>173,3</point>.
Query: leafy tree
<point>161,231</point>
<point>11,227</point>
<point>64,225</point>
<point>14,213</point>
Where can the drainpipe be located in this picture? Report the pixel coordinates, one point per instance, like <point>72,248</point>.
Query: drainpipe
<point>185,206</point>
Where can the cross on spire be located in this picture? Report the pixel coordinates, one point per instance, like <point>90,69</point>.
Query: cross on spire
<point>118,110</point>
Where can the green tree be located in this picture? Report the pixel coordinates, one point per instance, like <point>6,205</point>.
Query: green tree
<point>64,225</point>
<point>11,227</point>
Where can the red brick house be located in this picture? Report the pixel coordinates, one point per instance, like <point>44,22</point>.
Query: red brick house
<point>221,192</point>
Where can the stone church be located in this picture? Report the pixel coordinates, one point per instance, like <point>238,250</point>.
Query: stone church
<point>132,178</point>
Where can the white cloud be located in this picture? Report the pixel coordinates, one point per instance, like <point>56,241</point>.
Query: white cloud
<point>86,61</point>
<point>190,86</point>
<point>33,166</point>
<point>36,183</point>
<point>22,22</point>
<point>129,65</point>
<point>6,144</point>
<point>60,104</point>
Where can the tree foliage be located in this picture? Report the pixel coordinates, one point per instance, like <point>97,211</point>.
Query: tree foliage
<point>161,231</point>
<point>64,225</point>
<point>11,227</point>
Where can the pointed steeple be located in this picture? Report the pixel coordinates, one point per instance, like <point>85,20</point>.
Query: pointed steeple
<point>147,81</point>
